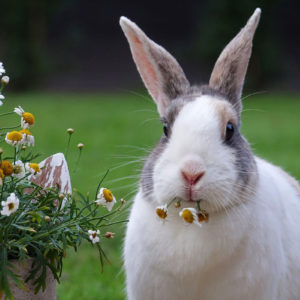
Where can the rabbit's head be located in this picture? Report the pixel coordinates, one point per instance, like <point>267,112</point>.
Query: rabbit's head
<point>201,154</point>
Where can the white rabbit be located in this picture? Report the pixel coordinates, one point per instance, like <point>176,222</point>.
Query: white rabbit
<point>250,248</point>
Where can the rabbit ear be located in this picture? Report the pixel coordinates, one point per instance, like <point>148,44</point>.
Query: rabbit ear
<point>230,69</point>
<point>162,75</point>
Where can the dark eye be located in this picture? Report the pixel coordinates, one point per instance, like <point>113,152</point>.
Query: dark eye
<point>229,131</point>
<point>166,129</point>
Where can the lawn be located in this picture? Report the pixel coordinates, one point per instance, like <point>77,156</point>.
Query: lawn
<point>117,131</point>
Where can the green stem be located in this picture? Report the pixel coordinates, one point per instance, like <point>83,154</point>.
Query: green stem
<point>113,223</point>
<point>77,162</point>
<point>68,145</point>
<point>99,184</point>
<point>171,201</point>
<point>15,155</point>
<point>7,113</point>
<point>13,127</point>
<point>198,206</point>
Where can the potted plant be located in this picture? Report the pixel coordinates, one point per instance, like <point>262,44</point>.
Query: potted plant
<point>39,217</point>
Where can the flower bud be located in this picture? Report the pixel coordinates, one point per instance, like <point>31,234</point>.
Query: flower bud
<point>47,219</point>
<point>61,196</point>
<point>80,146</point>
<point>109,235</point>
<point>24,148</point>
<point>177,204</point>
<point>1,150</point>
<point>5,80</point>
<point>70,130</point>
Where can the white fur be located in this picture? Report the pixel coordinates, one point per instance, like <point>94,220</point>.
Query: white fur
<point>249,250</point>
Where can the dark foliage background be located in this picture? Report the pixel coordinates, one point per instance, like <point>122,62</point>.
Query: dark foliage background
<point>78,45</point>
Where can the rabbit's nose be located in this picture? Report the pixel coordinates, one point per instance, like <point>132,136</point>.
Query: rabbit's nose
<point>192,178</point>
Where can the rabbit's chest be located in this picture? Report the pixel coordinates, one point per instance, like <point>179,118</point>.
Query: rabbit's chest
<point>169,260</point>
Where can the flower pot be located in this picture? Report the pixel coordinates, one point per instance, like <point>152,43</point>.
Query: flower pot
<point>22,269</point>
<point>54,172</point>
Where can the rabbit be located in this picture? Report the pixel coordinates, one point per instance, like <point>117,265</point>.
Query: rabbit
<point>250,247</point>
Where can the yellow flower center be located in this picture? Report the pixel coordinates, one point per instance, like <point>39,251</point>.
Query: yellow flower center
<point>25,131</point>
<point>15,136</point>
<point>28,118</point>
<point>108,196</point>
<point>6,167</point>
<point>161,213</point>
<point>187,216</point>
<point>35,167</point>
<point>1,174</point>
<point>11,206</point>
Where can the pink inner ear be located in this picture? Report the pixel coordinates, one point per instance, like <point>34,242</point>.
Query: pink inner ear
<point>145,66</point>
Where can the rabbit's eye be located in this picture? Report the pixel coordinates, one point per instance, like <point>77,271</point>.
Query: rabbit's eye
<point>166,129</point>
<point>229,131</point>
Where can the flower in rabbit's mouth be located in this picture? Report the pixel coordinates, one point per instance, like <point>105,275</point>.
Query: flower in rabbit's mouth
<point>10,205</point>
<point>14,138</point>
<point>162,211</point>
<point>33,168</point>
<point>28,138</point>
<point>189,215</point>
<point>94,236</point>
<point>106,198</point>
<point>27,117</point>
<point>19,169</point>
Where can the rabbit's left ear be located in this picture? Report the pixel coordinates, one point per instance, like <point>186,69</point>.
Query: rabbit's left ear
<point>161,73</point>
<point>230,69</point>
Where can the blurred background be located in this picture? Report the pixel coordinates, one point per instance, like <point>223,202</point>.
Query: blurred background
<point>70,65</point>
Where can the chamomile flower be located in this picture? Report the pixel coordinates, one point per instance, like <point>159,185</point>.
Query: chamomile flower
<point>33,168</point>
<point>19,169</point>
<point>27,119</point>
<point>106,198</point>
<point>7,167</point>
<point>10,205</point>
<point>189,215</point>
<point>28,138</point>
<point>14,138</point>
<point>94,236</point>
<point>162,211</point>
<point>2,70</point>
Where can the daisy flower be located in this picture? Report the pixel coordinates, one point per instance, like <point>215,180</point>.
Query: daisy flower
<point>94,236</point>
<point>28,138</point>
<point>162,211</point>
<point>106,198</point>
<point>10,205</point>
<point>14,138</point>
<point>189,215</point>
<point>6,167</point>
<point>19,169</point>
<point>27,119</point>
<point>2,70</point>
<point>33,168</point>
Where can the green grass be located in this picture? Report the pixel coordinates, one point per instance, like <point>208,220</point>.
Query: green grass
<point>117,129</point>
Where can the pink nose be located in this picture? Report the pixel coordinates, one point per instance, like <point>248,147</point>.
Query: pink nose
<point>192,178</point>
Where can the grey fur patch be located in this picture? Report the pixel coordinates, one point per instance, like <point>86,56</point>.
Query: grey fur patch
<point>173,80</point>
<point>245,163</point>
